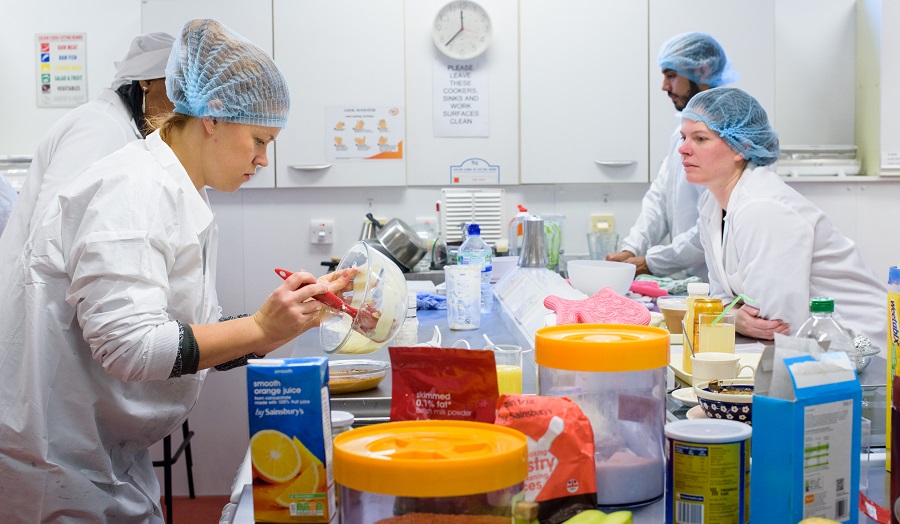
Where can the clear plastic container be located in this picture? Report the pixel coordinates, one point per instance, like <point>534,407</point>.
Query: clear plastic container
<point>378,285</point>
<point>476,252</point>
<point>620,372</point>
<point>822,327</point>
<point>398,471</point>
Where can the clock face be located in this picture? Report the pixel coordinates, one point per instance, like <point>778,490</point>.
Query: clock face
<point>462,30</point>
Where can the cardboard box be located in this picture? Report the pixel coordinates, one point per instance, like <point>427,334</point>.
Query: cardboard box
<point>893,348</point>
<point>290,440</point>
<point>806,447</point>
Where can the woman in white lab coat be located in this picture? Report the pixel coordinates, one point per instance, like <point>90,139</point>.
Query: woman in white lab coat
<point>763,239</point>
<point>90,132</point>
<point>112,318</point>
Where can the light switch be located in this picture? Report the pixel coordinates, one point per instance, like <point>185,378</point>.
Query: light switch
<point>321,231</point>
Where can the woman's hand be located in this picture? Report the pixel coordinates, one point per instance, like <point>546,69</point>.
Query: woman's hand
<point>339,281</point>
<point>621,256</point>
<point>748,323</point>
<point>290,310</point>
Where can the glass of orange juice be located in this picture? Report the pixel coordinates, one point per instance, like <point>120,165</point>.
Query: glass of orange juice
<point>717,337</point>
<point>509,368</point>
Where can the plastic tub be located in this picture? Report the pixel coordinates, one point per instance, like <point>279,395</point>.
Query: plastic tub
<point>400,472</point>
<point>619,372</point>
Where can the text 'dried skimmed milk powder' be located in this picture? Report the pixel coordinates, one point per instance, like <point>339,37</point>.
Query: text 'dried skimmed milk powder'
<point>708,472</point>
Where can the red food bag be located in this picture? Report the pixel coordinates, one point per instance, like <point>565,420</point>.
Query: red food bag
<point>561,474</point>
<point>443,384</point>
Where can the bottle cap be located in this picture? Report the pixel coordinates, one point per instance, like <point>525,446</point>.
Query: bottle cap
<point>474,229</point>
<point>821,305</point>
<point>698,288</point>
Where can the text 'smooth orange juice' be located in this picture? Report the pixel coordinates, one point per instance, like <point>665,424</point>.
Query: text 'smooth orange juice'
<point>290,440</point>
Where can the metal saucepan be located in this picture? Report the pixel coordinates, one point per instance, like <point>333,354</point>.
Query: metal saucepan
<point>402,243</point>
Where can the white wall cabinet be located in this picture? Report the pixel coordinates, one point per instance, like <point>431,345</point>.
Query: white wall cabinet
<point>744,28</point>
<point>337,53</point>
<point>252,19</point>
<point>583,91</point>
<point>431,157</point>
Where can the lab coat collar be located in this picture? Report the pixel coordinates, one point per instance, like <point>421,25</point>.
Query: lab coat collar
<point>108,95</point>
<point>199,201</point>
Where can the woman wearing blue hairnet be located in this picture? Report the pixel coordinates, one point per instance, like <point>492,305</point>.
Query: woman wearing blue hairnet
<point>112,319</point>
<point>762,238</point>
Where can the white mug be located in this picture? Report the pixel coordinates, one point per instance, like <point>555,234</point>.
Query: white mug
<point>712,365</point>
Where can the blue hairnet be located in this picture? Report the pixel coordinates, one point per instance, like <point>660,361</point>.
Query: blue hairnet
<point>699,58</point>
<point>215,72</point>
<point>739,119</point>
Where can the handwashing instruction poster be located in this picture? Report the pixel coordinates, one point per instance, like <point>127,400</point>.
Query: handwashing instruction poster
<point>364,133</point>
<point>61,69</point>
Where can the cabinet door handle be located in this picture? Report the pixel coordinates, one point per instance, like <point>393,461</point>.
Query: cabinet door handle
<point>615,163</point>
<point>310,167</point>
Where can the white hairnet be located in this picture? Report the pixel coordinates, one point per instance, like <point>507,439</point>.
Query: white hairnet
<point>739,119</point>
<point>215,72</point>
<point>699,58</point>
<point>146,59</point>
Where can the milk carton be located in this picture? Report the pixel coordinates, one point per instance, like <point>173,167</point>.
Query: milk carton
<point>290,440</point>
<point>807,416</point>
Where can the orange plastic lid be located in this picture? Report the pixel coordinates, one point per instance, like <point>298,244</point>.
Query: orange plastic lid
<point>601,347</point>
<point>430,458</point>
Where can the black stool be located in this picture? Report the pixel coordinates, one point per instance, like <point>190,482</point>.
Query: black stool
<point>169,459</point>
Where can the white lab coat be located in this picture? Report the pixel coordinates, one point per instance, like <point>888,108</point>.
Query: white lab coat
<point>80,138</point>
<point>669,208</point>
<point>88,339</point>
<point>8,198</point>
<point>781,250</point>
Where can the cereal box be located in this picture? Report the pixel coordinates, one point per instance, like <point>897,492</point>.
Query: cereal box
<point>290,440</point>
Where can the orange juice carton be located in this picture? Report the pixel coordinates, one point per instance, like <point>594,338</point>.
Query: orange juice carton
<point>290,440</point>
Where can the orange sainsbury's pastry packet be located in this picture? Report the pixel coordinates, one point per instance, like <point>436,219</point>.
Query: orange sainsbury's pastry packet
<point>561,474</point>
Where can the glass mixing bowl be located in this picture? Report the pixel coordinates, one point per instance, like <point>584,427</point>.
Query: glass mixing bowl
<point>379,284</point>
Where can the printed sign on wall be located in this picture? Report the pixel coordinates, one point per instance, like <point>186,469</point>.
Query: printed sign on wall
<point>363,133</point>
<point>61,70</point>
<point>461,97</point>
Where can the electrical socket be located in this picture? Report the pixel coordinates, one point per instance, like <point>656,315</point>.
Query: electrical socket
<point>321,231</point>
<point>603,222</point>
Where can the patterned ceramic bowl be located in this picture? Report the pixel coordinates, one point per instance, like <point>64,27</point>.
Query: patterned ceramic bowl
<point>734,403</point>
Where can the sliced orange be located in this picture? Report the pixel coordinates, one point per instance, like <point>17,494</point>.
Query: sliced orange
<point>306,483</point>
<point>274,457</point>
<point>306,456</point>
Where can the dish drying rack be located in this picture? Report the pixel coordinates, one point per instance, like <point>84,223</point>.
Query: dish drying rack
<point>823,160</point>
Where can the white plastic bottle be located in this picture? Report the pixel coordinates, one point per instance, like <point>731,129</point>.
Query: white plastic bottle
<point>475,251</point>
<point>408,335</point>
<point>822,327</point>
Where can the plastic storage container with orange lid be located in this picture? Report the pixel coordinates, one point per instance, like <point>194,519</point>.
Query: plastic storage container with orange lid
<point>406,472</point>
<point>617,375</point>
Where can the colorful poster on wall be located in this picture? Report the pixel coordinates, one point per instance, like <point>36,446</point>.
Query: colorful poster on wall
<point>61,69</point>
<point>364,133</point>
<point>460,99</point>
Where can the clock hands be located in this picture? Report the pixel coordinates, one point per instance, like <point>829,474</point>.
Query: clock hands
<point>461,27</point>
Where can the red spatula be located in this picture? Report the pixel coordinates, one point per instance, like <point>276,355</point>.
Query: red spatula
<point>366,317</point>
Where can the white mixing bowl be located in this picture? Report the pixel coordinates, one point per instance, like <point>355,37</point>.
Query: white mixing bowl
<point>590,276</point>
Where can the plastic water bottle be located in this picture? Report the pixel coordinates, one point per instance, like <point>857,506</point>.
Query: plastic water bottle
<point>822,327</point>
<point>475,251</point>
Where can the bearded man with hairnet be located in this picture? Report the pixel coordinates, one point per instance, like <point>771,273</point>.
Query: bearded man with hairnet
<point>89,132</point>
<point>690,63</point>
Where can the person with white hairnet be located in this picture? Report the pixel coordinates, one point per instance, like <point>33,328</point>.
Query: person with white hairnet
<point>663,241</point>
<point>761,237</point>
<point>90,132</point>
<point>111,320</point>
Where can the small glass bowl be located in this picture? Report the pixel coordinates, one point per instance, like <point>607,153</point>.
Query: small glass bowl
<point>351,376</point>
<point>864,357</point>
